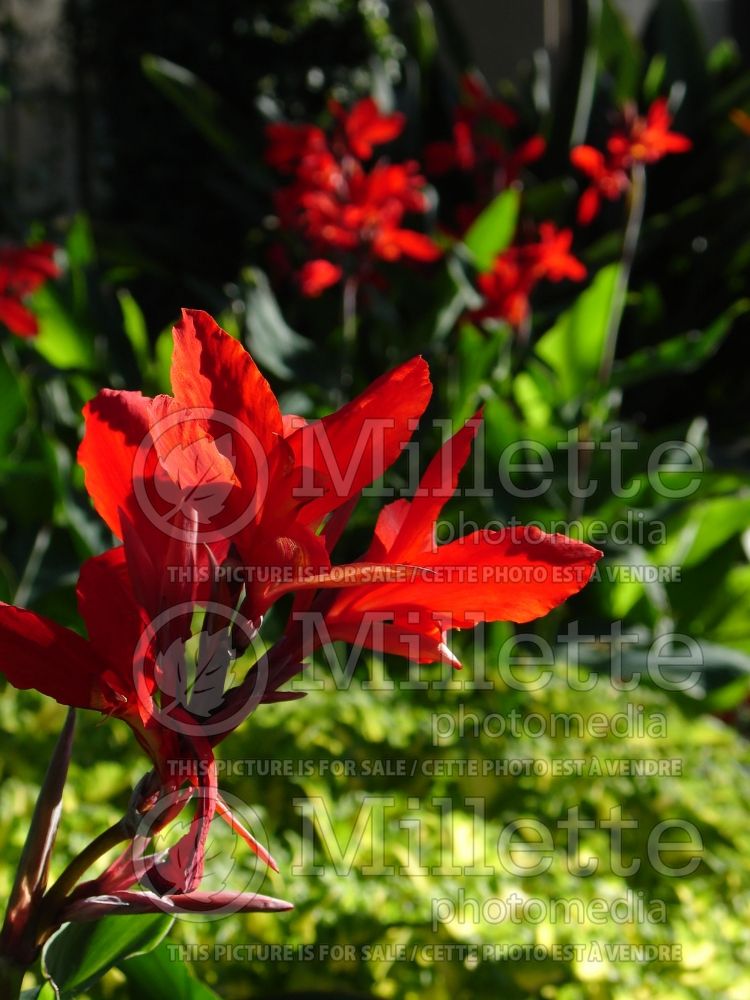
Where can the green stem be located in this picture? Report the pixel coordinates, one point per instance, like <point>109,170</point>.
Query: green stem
<point>349,329</point>
<point>637,203</point>
<point>636,206</point>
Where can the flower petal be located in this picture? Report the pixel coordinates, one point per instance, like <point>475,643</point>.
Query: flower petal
<point>336,457</point>
<point>40,654</point>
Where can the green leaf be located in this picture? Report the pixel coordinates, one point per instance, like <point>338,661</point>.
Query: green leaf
<point>159,976</point>
<point>673,32</point>
<point>61,340</point>
<point>80,243</point>
<point>270,339</point>
<point>702,528</point>
<point>620,53</point>
<point>495,228</point>
<point>678,354</point>
<point>195,99</point>
<point>427,42</point>
<point>136,331</point>
<point>575,345</point>
<point>79,954</point>
<point>13,409</point>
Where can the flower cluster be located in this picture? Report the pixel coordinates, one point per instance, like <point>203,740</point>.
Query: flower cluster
<point>482,148</point>
<point>350,214</point>
<point>222,505</point>
<point>515,273</point>
<point>635,140</point>
<point>22,271</point>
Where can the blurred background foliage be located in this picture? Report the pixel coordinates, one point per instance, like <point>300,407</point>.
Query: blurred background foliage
<point>176,209</point>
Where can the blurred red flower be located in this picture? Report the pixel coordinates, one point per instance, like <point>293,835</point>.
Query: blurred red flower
<point>509,284</point>
<point>482,147</point>
<point>349,215</point>
<point>635,140</point>
<point>22,271</point>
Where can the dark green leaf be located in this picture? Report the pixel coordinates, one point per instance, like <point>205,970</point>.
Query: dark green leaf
<point>678,354</point>
<point>270,339</point>
<point>79,954</point>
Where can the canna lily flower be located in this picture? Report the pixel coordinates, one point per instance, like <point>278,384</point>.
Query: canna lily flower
<point>515,575</point>
<point>349,216</point>
<point>216,478</point>
<point>636,140</point>
<point>95,673</point>
<point>482,148</point>
<point>114,671</point>
<point>364,127</point>
<point>220,456</point>
<point>22,271</point>
<point>509,284</point>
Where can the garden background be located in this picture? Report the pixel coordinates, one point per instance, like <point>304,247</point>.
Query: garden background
<point>133,137</point>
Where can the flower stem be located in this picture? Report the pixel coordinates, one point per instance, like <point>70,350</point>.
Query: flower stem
<point>349,329</point>
<point>17,947</point>
<point>636,206</point>
<point>55,897</point>
<point>637,202</point>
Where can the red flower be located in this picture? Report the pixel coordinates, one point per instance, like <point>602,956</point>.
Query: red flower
<point>22,271</point>
<point>216,479</point>
<point>317,275</point>
<point>102,673</point>
<point>349,216</point>
<point>514,575</point>
<point>636,140</point>
<point>509,284</point>
<point>219,455</point>
<point>481,148</point>
<point>364,127</point>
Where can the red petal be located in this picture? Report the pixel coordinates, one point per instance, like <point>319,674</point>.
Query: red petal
<point>212,369</point>
<point>36,653</point>
<point>318,275</point>
<point>588,206</point>
<point>106,604</point>
<point>117,426</point>
<point>366,127</point>
<point>339,455</point>
<point>516,575</point>
<point>589,160</point>
<point>416,532</point>
<point>19,320</point>
<point>390,244</point>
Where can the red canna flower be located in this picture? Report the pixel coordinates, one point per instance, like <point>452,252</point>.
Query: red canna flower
<point>214,479</point>
<point>514,575</point>
<point>509,284</point>
<point>22,271</point>
<point>349,216</point>
<point>219,456</point>
<point>635,140</point>
<point>482,149</point>
<point>364,127</point>
<point>98,673</point>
